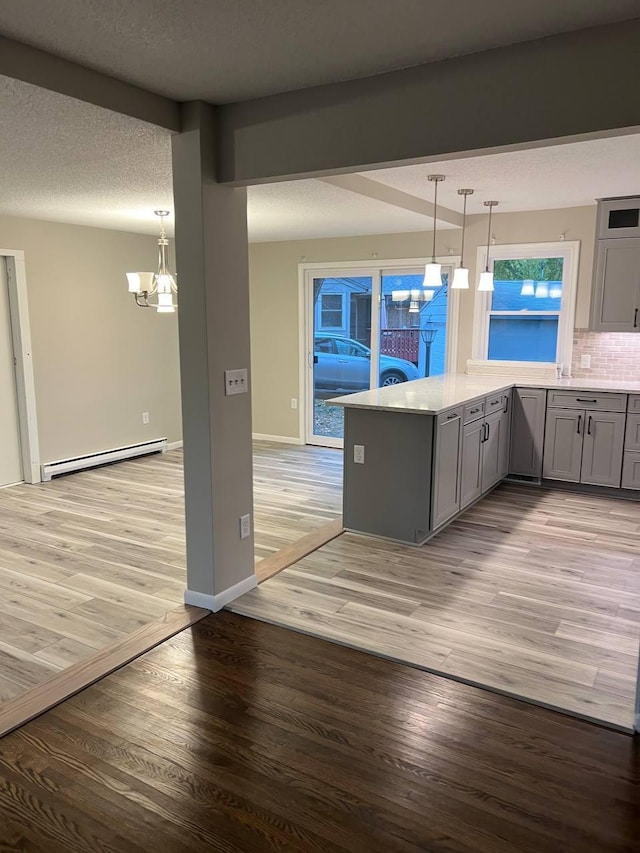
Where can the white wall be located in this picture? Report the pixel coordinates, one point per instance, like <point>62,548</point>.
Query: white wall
<point>99,361</point>
<point>273,270</point>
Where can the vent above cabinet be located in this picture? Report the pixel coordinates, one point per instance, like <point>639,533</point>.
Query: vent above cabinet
<point>619,217</point>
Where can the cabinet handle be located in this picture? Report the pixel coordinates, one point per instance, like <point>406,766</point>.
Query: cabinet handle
<point>579,424</point>
<point>451,417</point>
<point>488,431</point>
<point>635,319</point>
<point>589,425</point>
<point>584,400</point>
<point>474,411</point>
<point>495,402</point>
<point>506,403</point>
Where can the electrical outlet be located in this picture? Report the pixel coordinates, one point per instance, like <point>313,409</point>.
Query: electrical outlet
<point>145,417</point>
<point>236,381</point>
<point>245,526</point>
<point>294,403</point>
<point>358,454</point>
<point>585,361</point>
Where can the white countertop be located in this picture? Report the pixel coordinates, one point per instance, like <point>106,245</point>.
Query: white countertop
<point>438,393</point>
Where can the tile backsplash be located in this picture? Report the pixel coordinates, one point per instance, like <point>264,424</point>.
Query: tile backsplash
<point>613,355</point>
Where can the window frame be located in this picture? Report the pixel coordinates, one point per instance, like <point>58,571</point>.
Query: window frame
<point>569,251</point>
<point>321,309</point>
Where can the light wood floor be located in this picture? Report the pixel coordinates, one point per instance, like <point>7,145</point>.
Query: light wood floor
<point>89,558</point>
<point>532,592</point>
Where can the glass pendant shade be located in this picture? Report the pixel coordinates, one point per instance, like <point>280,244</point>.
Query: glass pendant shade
<point>165,303</point>
<point>460,279</point>
<point>140,282</point>
<point>542,290</point>
<point>432,275</point>
<point>428,295</point>
<point>486,281</point>
<point>399,295</point>
<point>165,283</point>
<point>527,288</point>
<point>555,291</point>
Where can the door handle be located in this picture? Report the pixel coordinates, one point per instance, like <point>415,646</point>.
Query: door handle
<point>579,424</point>
<point>589,425</point>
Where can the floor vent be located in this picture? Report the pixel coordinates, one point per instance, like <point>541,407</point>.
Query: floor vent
<point>523,478</point>
<point>104,457</point>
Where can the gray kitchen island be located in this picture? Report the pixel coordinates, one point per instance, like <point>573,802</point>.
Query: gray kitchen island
<point>419,453</point>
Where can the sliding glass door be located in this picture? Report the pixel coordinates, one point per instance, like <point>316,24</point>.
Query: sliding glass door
<point>340,349</point>
<point>368,328</point>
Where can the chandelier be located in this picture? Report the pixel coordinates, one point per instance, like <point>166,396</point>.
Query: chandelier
<point>161,284</point>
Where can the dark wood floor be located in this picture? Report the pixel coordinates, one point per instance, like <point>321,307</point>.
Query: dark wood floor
<point>240,736</point>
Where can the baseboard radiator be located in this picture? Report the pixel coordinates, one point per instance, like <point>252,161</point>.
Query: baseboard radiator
<point>48,470</point>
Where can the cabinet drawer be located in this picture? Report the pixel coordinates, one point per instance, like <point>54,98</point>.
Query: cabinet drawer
<point>632,437</point>
<point>473,411</point>
<point>494,403</point>
<point>634,403</point>
<point>631,470</point>
<point>451,415</point>
<point>587,400</point>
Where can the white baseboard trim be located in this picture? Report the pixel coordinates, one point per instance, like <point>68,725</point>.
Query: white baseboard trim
<point>217,602</point>
<point>281,439</point>
<point>174,445</point>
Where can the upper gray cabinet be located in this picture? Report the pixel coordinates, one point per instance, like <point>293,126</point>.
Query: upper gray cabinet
<point>615,304</point>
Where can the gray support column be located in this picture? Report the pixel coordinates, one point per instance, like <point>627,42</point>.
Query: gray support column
<point>213,298</point>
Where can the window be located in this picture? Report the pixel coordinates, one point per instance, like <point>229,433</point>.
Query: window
<point>331,310</point>
<point>529,314</point>
<point>353,348</point>
<point>323,344</point>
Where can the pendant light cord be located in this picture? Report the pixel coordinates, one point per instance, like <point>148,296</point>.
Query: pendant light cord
<point>464,223</point>
<point>435,209</point>
<point>486,269</point>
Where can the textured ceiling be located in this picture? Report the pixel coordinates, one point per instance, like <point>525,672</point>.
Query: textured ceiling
<point>228,50</point>
<point>569,175</point>
<point>64,160</point>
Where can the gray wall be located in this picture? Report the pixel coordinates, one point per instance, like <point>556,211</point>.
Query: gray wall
<point>99,361</point>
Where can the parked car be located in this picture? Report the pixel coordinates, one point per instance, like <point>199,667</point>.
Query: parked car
<point>342,364</point>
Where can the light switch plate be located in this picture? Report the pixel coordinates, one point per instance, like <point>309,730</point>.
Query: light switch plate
<point>236,381</point>
<point>585,360</point>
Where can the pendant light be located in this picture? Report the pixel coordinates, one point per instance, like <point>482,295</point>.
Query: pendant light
<point>486,277</point>
<point>432,271</point>
<point>528,288</point>
<point>162,284</point>
<point>461,274</point>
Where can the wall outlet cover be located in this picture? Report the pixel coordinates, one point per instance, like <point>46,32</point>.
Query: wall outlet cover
<point>145,417</point>
<point>358,454</point>
<point>585,360</point>
<point>245,526</point>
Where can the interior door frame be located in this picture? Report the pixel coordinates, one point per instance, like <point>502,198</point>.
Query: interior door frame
<point>373,269</point>
<point>23,354</point>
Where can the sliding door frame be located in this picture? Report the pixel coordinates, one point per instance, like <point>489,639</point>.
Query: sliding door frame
<point>373,269</point>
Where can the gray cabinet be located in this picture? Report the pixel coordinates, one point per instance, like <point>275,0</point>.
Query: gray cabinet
<point>631,470</point>
<point>491,445</point>
<point>616,287</point>
<point>528,407</point>
<point>504,447</point>
<point>471,462</point>
<point>562,458</point>
<point>602,448</point>
<point>446,467</point>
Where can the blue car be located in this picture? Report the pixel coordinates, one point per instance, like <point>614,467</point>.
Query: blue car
<point>343,365</point>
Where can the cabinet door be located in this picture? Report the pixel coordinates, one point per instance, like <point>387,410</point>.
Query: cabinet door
<point>446,468</point>
<point>602,448</point>
<point>505,440</point>
<point>631,470</point>
<point>527,431</point>
<point>491,451</point>
<point>562,458</point>
<point>471,463</point>
<point>616,290</point>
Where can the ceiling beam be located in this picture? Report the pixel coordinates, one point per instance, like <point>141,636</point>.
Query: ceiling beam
<point>560,87</point>
<point>389,195</point>
<point>21,62</point>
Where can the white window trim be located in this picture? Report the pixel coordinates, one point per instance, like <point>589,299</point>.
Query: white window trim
<point>374,268</point>
<point>25,382</point>
<point>569,251</point>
